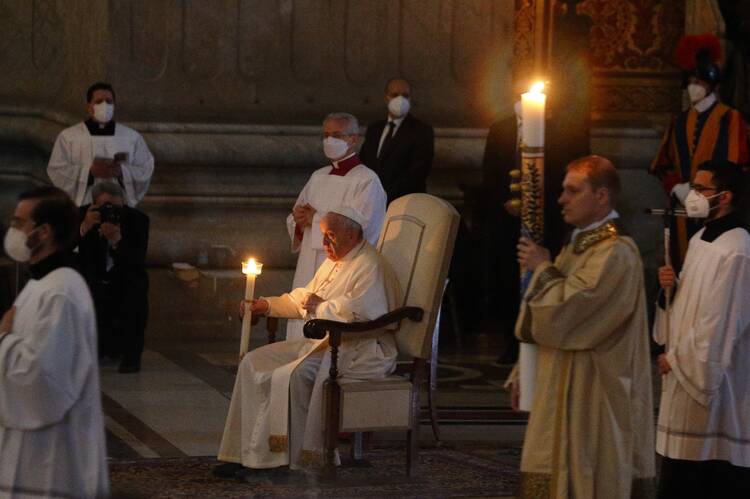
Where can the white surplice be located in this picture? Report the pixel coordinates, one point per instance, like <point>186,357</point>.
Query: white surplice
<point>361,189</point>
<point>260,432</point>
<point>75,150</point>
<point>51,424</point>
<point>705,401</point>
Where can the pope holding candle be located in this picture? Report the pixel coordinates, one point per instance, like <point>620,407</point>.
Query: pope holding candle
<point>275,417</point>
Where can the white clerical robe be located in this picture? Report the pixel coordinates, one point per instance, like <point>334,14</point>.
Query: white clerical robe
<point>51,424</point>
<point>359,287</point>
<point>361,189</point>
<point>75,150</point>
<point>705,401</point>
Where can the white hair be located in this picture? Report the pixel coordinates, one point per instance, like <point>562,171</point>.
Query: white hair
<point>352,125</point>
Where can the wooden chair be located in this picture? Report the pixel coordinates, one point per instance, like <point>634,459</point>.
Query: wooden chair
<point>272,326</point>
<point>417,240</point>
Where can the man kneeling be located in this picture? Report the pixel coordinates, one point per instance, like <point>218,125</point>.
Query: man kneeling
<point>276,416</point>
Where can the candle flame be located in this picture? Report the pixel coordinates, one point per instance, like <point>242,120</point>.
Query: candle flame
<point>537,87</point>
<point>251,267</point>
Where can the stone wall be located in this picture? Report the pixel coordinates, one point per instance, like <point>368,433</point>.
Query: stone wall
<point>260,61</point>
<point>229,95</point>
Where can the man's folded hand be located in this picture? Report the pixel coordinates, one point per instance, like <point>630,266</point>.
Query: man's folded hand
<point>311,302</point>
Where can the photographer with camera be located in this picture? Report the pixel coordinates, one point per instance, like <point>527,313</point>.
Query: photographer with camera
<point>111,256</point>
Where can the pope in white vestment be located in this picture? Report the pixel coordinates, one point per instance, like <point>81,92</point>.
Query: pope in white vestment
<point>275,416</point>
<point>77,147</point>
<point>345,182</point>
<point>52,440</point>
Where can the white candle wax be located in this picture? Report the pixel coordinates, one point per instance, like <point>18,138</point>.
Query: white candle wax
<point>251,269</point>
<point>248,317</point>
<point>532,116</point>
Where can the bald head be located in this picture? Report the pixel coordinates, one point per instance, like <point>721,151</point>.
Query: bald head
<point>396,87</point>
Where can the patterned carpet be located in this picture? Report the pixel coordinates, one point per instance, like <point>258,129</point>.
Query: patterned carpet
<point>479,471</point>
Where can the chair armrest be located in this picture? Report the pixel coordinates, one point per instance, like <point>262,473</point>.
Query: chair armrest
<point>317,328</point>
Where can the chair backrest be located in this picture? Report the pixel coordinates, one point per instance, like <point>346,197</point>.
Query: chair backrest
<point>417,241</point>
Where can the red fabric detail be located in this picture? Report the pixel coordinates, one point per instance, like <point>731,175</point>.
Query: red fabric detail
<point>669,180</point>
<point>345,166</point>
<point>298,233</point>
<point>689,46</point>
<point>743,155</point>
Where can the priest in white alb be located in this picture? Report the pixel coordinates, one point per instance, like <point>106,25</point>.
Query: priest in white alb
<point>51,424</point>
<point>276,413</point>
<point>98,150</point>
<point>344,182</point>
<point>703,431</point>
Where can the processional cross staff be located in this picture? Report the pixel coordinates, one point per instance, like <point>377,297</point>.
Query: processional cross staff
<point>667,217</point>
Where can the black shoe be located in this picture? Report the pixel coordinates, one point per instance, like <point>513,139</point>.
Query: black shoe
<point>226,470</point>
<point>127,367</point>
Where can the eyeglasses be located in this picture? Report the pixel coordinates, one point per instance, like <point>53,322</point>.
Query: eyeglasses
<point>701,188</point>
<point>17,223</point>
<point>335,135</point>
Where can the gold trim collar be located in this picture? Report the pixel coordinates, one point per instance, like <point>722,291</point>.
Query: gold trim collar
<point>589,238</point>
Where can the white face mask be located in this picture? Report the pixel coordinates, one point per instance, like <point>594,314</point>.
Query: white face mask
<point>399,106</point>
<point>696,92</point>
<point>15,245</point>
<point>335,148</point>
<point>104,111</point>
<point>697,205</point>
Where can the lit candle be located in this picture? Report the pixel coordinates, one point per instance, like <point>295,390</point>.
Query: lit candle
<point>251,269</point>
<point>532,115</point>
<point>532,152</point>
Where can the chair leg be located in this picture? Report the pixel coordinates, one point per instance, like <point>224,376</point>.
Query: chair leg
<point>357,446</point>
<point>412,451</point>
<point>431,398</point>
<point>412,436</point>
<point>432,374</point>
<point>332,396</point>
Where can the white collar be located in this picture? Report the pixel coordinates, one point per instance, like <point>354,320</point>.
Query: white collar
<point>610,216</point>
<point>353,252</point>
<point>703,104</point>
<point>396,121</point>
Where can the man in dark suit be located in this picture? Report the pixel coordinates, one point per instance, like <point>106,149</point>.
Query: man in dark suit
<point>399,149</point>
<point>111,256</point>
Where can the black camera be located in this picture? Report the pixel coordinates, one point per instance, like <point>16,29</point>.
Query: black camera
<point>110,213</point>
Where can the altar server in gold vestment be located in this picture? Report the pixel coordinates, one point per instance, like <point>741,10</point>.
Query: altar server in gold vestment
<point>275,417</point>
<point>591,427</point>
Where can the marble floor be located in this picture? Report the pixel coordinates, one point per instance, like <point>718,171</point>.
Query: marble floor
<point>176,405</point>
